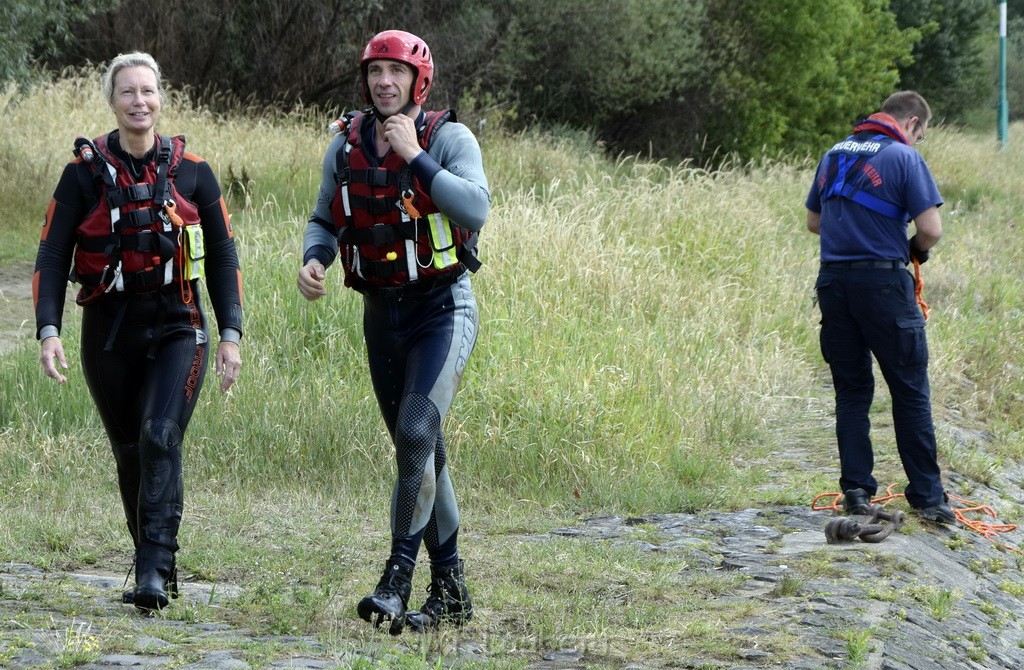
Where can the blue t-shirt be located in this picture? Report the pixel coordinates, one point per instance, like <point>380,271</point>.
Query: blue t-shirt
<point>849,231</point>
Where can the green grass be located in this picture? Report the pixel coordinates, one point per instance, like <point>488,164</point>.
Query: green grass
<point>939,603</point>
<point>858,646</point>
<point>648,344</point>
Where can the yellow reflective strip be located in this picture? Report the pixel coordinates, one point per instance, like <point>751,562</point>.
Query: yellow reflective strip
<point>442,240</point>
<point>195,251</point>
<point>442,231</point>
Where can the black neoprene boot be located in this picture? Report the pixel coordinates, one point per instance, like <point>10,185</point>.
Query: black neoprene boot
<point>389,600</point>
<point>159,510</point>
<point>447,601</point>
<point>155,576</point>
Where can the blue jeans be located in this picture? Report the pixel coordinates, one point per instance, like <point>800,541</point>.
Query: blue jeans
<point>867,311</point>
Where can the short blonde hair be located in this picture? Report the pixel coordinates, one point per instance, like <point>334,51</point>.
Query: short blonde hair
<point>133,59</point>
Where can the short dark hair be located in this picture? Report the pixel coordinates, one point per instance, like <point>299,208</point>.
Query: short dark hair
<point>905,104</point>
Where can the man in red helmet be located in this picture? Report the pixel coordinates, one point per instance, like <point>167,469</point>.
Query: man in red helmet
<point>402,198</point>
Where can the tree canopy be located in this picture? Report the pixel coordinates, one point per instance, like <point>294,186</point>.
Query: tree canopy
<point>948,53</point>
<point>29,28</point>
<point>698,79</point>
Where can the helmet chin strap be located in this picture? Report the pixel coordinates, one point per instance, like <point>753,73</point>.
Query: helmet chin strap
<point>380,115</point>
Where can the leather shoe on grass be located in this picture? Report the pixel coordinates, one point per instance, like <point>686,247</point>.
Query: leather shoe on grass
<point>857,501</point>
<point>941,513</point>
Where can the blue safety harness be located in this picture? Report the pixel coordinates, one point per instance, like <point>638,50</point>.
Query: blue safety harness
<point>845,172</point>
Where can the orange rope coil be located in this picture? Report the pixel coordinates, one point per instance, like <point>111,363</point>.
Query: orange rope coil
<point>990,531</point>
<point>919,289</point>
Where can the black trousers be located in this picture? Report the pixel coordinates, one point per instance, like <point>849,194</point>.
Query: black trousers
<point>873,311</point>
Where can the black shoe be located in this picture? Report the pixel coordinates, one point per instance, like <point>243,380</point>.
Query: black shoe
<point>448,600</point>
<point>389,600</point>
<point>941,513</point>
<point>171,588</point>
<point>155,575</point>
<point>857,501</point>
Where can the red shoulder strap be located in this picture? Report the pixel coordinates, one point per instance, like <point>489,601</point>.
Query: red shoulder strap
<point>431,122</point>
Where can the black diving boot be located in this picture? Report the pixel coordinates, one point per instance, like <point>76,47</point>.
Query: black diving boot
<point>389,600</point>
<point>155,577</point>
<point>159,508</point>
<point>447,601</point>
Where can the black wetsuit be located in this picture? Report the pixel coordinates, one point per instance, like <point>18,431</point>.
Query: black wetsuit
<point>417,351</point>
<point>144,354</point>
<point>419,337</point>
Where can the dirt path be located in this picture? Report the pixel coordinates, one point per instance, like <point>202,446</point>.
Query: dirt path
<point>16,319</point>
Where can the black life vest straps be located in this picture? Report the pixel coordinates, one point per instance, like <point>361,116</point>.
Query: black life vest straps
<point>101,169</point>
<point>161,193</point>
<point>381,269</point>
<point>378,235</point>
<point>432,123</point>
<point>163,244</point>
<point>375,206</point>
<point>467,254</point>
<point>137,218</point>
<point>377,177</point>
<point>119,197</point>
<point>134,282</point>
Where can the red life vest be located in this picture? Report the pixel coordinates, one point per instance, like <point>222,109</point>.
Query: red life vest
<point>390,233</point>
<point>131,240</point>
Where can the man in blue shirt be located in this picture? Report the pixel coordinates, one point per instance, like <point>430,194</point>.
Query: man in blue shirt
<point>867,189</point>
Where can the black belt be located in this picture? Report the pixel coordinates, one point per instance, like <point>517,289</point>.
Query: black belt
<point>409,289</point>
<point>861,265</point>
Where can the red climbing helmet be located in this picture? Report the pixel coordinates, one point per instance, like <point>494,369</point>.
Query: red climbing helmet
<point>406,48</point>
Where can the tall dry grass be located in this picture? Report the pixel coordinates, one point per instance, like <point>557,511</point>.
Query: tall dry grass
<point>648,339</point>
